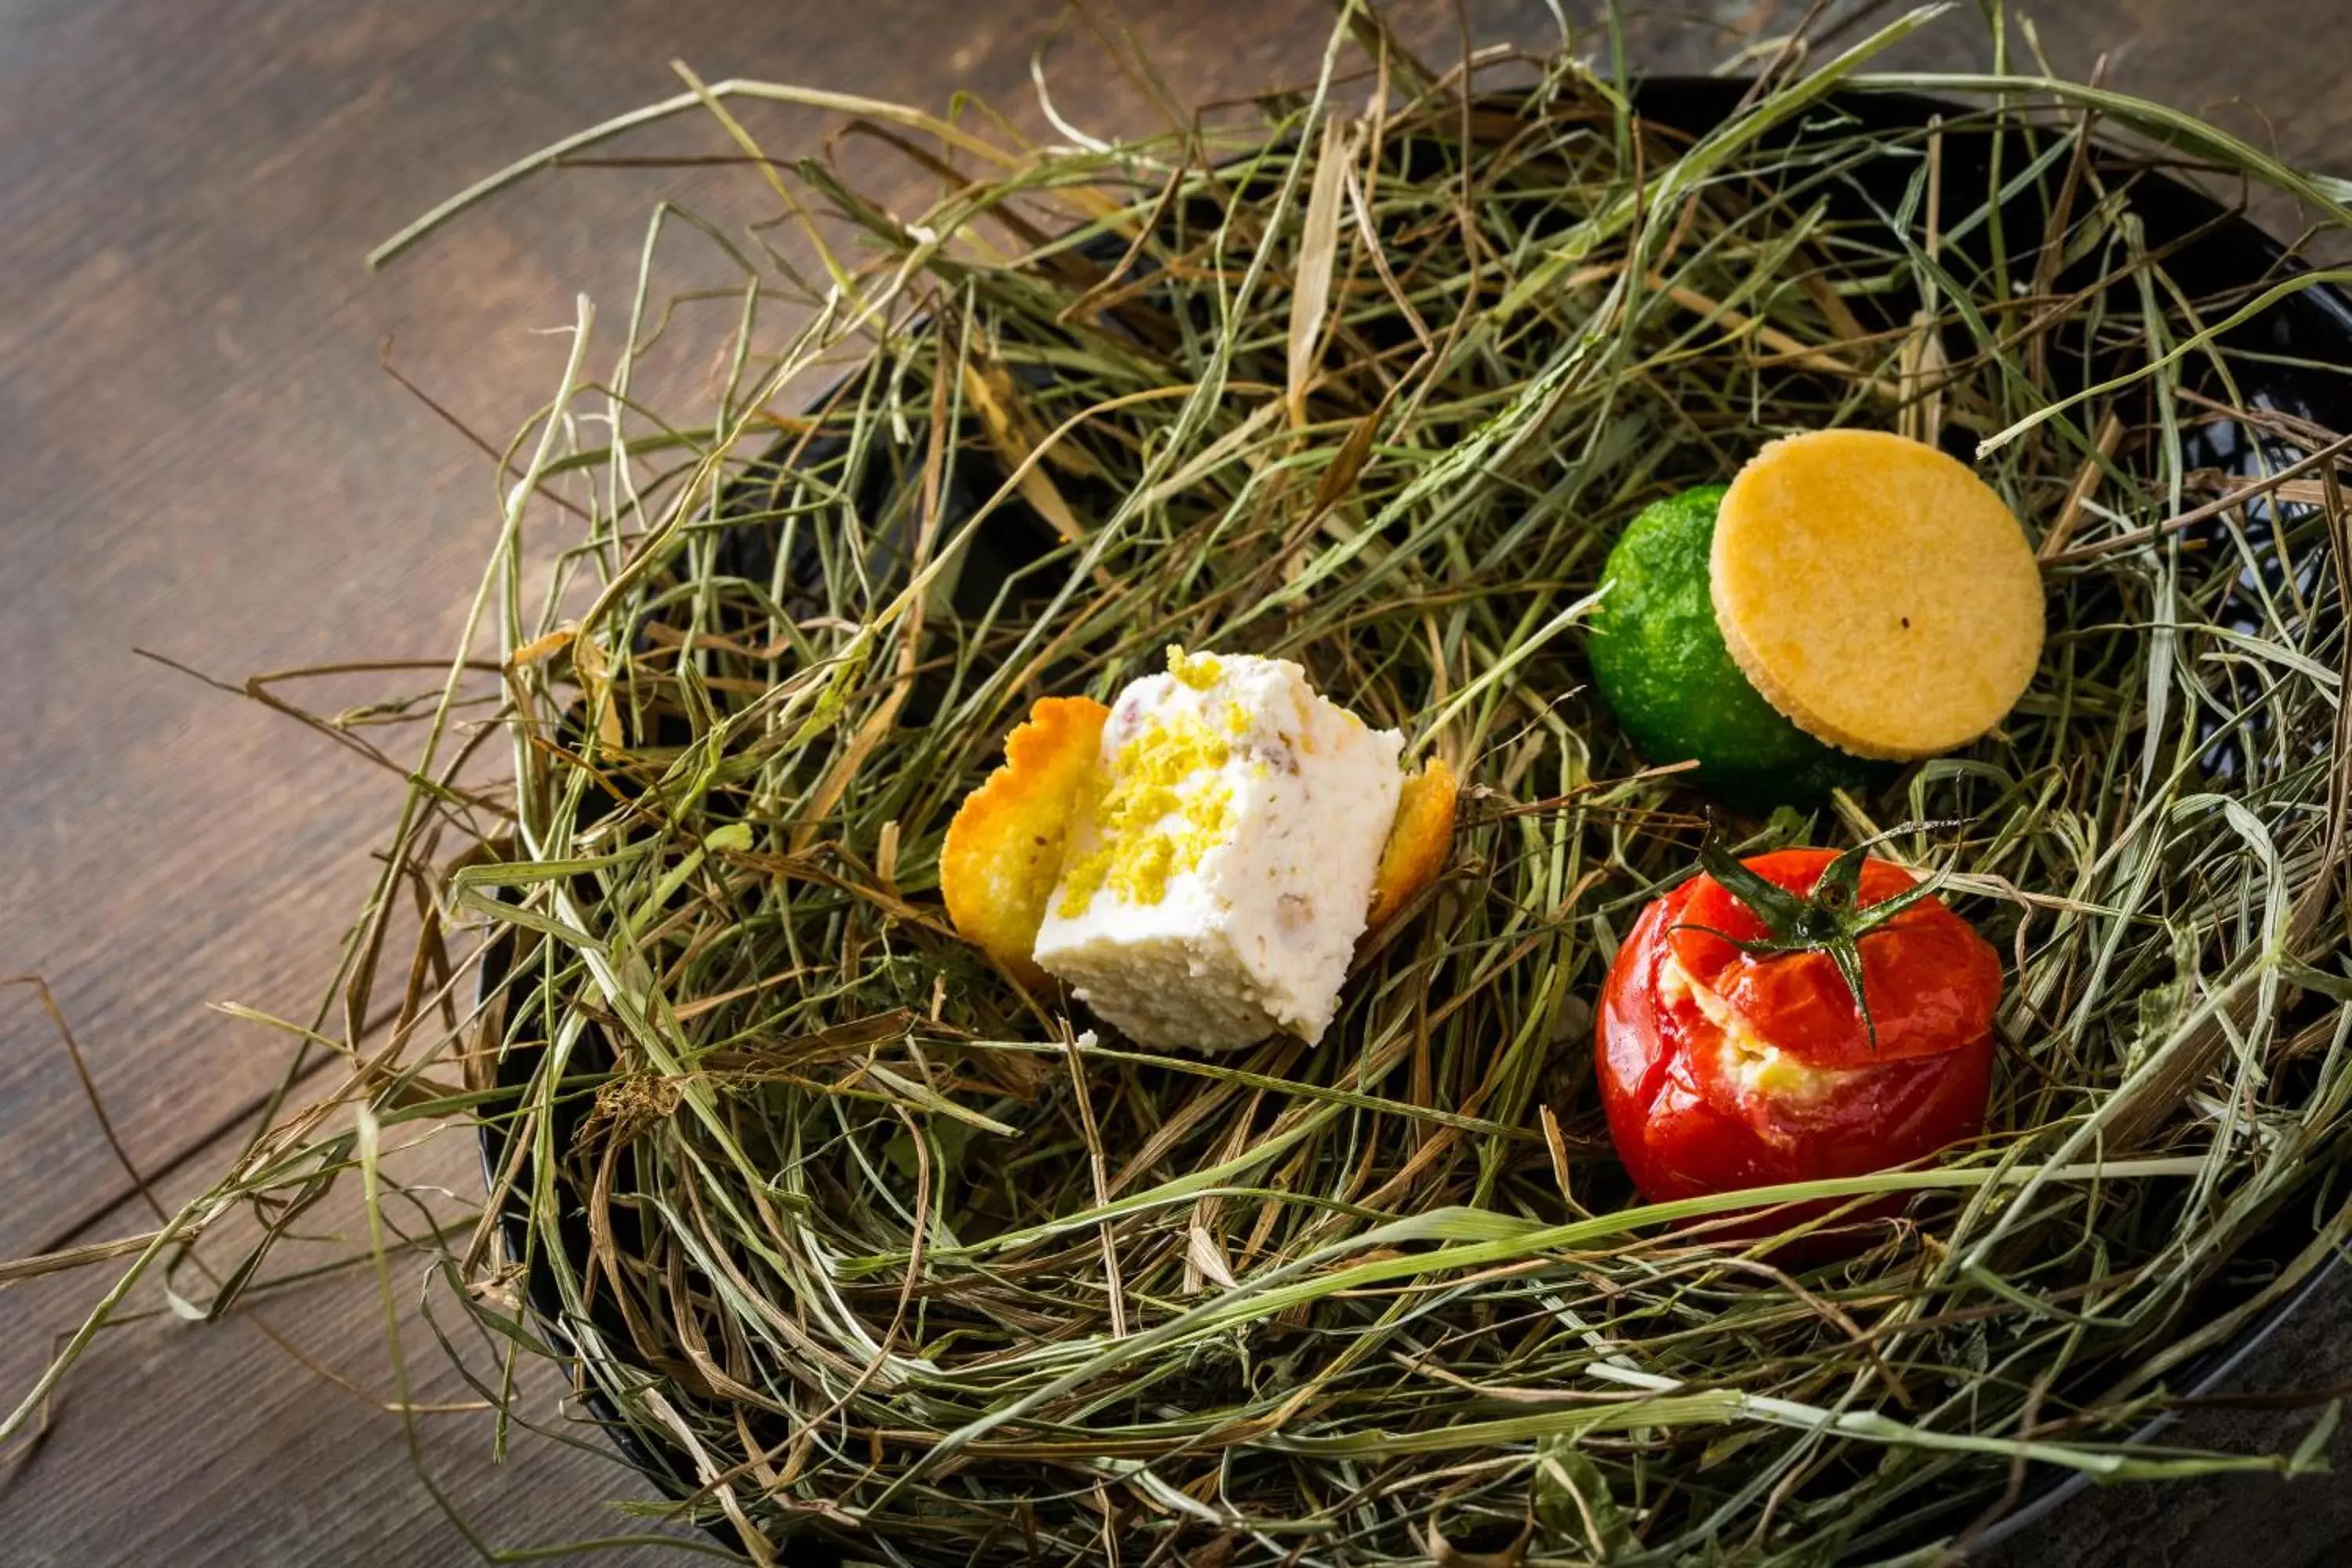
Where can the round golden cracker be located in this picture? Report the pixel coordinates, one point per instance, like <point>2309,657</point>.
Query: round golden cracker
<point>1003,850</point>
<point>1419,840</point>
<point>1876,592</point>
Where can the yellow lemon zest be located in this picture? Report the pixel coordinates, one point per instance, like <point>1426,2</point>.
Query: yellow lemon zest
<point>1198,670</point>
<point>1149,829</point>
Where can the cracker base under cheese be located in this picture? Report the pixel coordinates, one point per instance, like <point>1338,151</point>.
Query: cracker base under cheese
<point>1004,848</point>
<point>1418,842</point>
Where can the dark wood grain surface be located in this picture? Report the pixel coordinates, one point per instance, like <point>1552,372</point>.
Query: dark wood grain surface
<point>199,455</point>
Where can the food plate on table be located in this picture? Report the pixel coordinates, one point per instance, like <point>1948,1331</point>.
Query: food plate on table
<point>1689,909</point>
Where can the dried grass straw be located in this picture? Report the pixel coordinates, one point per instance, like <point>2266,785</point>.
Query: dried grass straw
<point>860,1241</point>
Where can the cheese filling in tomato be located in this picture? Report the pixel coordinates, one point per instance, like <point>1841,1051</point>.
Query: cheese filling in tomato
<point>1744,1059</point>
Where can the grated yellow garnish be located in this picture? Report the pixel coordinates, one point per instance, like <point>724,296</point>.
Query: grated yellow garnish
<point>1148,827</point>
<point>1198,670</point>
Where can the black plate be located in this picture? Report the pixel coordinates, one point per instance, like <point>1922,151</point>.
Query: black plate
<point>2215,250</point>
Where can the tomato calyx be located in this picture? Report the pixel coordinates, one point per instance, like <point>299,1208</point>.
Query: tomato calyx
<point>1830,918</point>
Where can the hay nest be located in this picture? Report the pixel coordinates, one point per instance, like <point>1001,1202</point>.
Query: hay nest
<point>861,1248</point>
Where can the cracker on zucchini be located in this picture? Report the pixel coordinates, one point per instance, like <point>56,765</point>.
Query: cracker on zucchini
<point>1876,592</point>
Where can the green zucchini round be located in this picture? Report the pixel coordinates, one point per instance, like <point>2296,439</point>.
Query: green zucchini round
<point>1659,660</point>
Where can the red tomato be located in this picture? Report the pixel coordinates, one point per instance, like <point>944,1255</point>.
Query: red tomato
<point>1722,1069</point>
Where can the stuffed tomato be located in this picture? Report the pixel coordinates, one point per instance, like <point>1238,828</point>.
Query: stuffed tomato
<point>1806,1014</point>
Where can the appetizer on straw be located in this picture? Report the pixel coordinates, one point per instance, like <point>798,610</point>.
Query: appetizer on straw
<point>1850,595</point>
<point>1797,1015</point>
<point>1198,859</point>
<point>834,1211</point>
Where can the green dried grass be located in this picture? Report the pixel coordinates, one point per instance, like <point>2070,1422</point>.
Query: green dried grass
<point>864,1245</point>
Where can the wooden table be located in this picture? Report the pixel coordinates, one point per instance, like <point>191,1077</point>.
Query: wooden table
<point>204,457</point>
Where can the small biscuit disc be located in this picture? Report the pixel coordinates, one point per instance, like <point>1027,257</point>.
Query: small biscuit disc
<point>1876,592</point>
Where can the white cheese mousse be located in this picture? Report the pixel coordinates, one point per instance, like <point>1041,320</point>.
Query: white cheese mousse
<point>1215,885</point>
